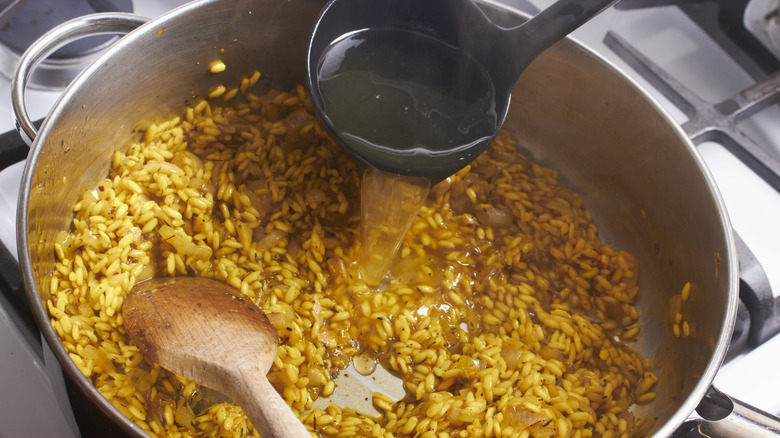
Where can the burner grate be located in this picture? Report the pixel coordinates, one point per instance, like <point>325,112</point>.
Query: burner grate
<point>723,22</point>
<point>708,121</point>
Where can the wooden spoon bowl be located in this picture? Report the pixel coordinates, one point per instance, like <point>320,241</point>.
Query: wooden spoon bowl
<point>199,329</point>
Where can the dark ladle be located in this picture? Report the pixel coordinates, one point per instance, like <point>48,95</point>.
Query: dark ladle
<point>464,29</point>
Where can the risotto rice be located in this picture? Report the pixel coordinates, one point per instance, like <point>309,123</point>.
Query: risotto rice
<point>505,315</point>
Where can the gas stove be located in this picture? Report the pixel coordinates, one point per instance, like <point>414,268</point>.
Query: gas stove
<point>713,64</point>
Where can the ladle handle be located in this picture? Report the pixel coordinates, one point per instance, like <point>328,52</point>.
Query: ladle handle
<point>550,25</point>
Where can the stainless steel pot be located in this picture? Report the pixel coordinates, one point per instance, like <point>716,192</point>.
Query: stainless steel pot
<point>644,182</point>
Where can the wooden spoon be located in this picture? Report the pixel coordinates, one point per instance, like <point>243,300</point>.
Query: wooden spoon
<point>198,329</point>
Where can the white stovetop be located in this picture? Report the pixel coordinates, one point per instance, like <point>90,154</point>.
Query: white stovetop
<point>662,33</point>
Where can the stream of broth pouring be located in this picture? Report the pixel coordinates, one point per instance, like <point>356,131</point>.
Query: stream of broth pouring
<point>398,90</point>
<point>388,206</point>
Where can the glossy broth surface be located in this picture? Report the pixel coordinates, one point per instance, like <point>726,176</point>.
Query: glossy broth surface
<point>405,102</point>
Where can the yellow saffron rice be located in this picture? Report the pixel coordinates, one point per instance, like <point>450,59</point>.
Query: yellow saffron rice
<point>505,314</point>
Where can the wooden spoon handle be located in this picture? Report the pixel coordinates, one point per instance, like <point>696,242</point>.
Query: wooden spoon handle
<point>267,410</point>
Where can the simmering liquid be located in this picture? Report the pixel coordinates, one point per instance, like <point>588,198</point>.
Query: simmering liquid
<point>409,104</point>
<point>405,102</point>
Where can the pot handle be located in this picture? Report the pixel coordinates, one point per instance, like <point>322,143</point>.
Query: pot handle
<point>77,28</point>
<point>724,416</point>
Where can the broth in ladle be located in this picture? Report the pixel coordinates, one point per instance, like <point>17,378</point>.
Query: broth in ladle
<point>405,102</point>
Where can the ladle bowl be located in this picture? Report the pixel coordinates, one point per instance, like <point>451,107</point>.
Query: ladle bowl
<point>449,51</point>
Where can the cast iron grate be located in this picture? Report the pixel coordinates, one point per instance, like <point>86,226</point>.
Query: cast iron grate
<point>723,22</point>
